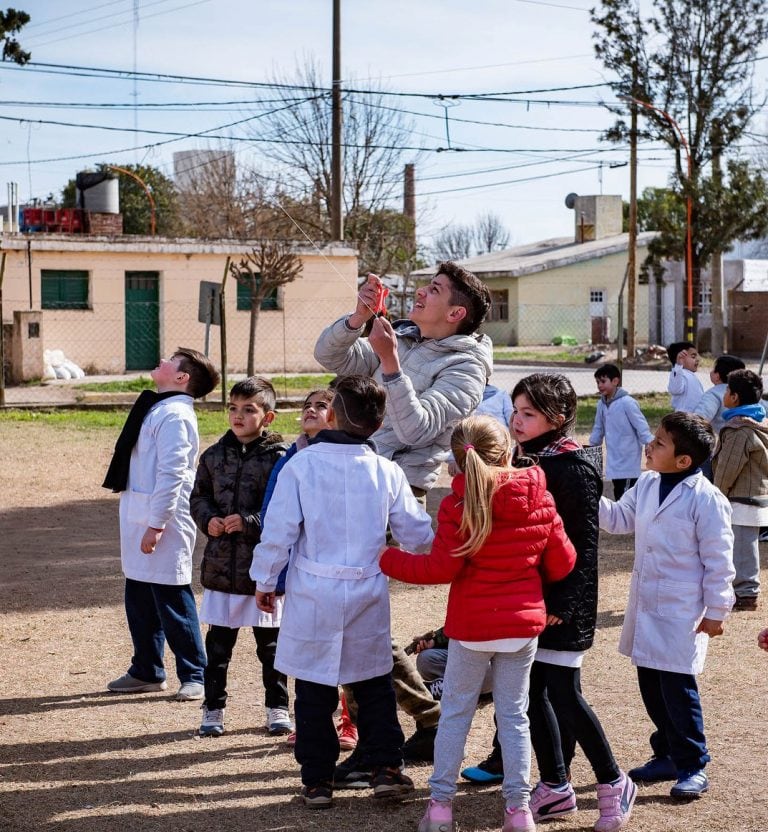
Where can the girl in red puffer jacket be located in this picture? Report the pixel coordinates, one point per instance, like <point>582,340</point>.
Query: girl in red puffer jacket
<point>498,539</point>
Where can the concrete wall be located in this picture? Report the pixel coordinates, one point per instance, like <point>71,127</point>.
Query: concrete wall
<point>95,338</point>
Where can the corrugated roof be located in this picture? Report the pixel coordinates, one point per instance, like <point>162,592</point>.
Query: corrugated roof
<point>544,255</point>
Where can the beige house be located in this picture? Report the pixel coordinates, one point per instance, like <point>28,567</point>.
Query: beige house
<point>565,287</point>
<point>119,303</point>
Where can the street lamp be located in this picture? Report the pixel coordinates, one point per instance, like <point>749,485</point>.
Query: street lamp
<point>688,213</point>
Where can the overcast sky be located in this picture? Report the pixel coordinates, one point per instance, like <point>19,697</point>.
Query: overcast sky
<point>423,46</point>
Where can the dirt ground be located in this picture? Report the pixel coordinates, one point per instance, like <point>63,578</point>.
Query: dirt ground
<point>75,758</point>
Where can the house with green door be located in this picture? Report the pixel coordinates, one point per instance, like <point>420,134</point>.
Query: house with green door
<point>117,304</point>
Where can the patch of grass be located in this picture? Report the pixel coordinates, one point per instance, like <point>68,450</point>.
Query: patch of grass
<point>545,355</point>
<point>284,385</point>
<point>211,423</point>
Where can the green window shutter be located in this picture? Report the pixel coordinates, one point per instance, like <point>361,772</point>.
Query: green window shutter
<point>244,298</point>
<point>64,289</point>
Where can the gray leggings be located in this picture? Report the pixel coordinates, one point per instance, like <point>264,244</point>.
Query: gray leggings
<point>464,676</point>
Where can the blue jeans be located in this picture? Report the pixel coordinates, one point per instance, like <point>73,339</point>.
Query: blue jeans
<point>673,704</point>
<point>160,612</point>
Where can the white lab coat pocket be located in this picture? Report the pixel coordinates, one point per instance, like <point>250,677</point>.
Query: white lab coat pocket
<point>678,599</point>
<point>134,508</point>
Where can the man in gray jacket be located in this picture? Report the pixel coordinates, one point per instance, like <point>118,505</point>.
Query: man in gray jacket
<point>434,367</point>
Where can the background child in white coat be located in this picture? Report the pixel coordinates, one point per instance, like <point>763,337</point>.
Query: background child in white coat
<point>621,423</point>
<point>679,595</point>
<point>154,468</point>
<point>683,385</point>
<point>328,516</point>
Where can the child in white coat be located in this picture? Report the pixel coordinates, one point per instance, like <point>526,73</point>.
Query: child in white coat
<point>621,423</point>
<point>154,468</point>
<point>328,516</point>
<point>679,596</point>
<point>683,385</point>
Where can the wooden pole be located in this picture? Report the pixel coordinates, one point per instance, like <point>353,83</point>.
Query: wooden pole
<point>337,167</point>
<point>223,334</point>
<point>632,244</point>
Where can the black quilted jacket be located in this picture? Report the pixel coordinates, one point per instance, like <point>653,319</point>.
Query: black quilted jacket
<point>231,479</point>
<point>576,487</point>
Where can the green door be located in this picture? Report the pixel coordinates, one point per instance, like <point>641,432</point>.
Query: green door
<point>142,320</point>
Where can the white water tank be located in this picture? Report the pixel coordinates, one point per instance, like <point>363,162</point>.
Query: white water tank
<point>98,191</point>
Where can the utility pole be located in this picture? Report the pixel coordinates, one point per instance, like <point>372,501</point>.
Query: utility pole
<point>337,165</point>
<point>632,245</point>
<point>718,345</point>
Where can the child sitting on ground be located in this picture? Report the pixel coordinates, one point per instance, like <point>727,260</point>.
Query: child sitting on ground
<point>679,595</point>
<point>153,466</point>
<point>684,386</point>
<point>328,516</point>
<point>740,466</point>
<point>229,488</point>
<point>621,423</point>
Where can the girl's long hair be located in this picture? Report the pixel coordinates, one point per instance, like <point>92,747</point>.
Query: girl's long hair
<point>481,447</point>
<point>553,395</point>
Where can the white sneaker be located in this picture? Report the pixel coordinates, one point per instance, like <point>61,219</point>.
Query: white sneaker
<point>190,691</point>
<point>278,721</point>
<point>213,722</point>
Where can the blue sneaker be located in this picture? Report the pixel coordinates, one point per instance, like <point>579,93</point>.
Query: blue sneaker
<point>656,770</point>
<point>690,785</point>
<point>489,771</point>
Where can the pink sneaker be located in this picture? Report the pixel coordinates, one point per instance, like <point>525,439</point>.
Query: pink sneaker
<point>438,817</point>
<point>518,819</point>
<point>552,801</point>
<point>291,739</point>
<point>614,801</point>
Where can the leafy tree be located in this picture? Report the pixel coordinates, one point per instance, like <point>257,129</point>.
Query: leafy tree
<point>694,61</point>
<point>134,204</point>
<point>11,22</point>
<point>268,266</point>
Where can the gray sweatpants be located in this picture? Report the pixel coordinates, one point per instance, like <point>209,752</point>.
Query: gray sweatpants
<point>464,676</point>
<point>746,561</point>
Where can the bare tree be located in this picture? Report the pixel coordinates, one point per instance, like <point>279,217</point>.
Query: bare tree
<point>490,234</point>
<point>455,242</point>
<point>268,266</point>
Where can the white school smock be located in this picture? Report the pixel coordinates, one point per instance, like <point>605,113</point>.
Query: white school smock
<point>683,569</point>
<point>684,388</point>
<point>160,480</point>
<point>329,511</point>
<point>622,424</point>
<point>227,609</point>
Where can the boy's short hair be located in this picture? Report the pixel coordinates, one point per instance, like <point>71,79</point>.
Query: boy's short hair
<point>359,404</point>
<point>551,394</point>
<point>609,371</point>
<point>255,387</point>
<point>674,349</point>
<point>468,291</point>
<point>725,364</point>
<point>748,386</point>
<point>691,434</point>
<point>203,376</point>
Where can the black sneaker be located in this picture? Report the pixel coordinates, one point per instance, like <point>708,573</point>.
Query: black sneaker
<point>390,782</point>
<point>420,747</point>
<point>354,772</point>
<point>491,770</point>
<point>318,796</point>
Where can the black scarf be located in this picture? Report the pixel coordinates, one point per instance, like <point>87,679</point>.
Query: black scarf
<point>117,473</point>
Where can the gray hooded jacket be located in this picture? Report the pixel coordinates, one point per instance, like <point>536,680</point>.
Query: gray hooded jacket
<point>441,382</point>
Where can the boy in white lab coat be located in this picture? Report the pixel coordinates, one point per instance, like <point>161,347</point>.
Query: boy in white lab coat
<point>329,515</point>
<point>154,468</point>
<point>683,384</point>
<point>679,596</point>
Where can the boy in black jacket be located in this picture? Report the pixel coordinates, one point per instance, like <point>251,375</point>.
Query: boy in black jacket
<point>229,489</point>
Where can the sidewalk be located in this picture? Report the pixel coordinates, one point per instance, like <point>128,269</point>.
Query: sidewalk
<point>66,393</point>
